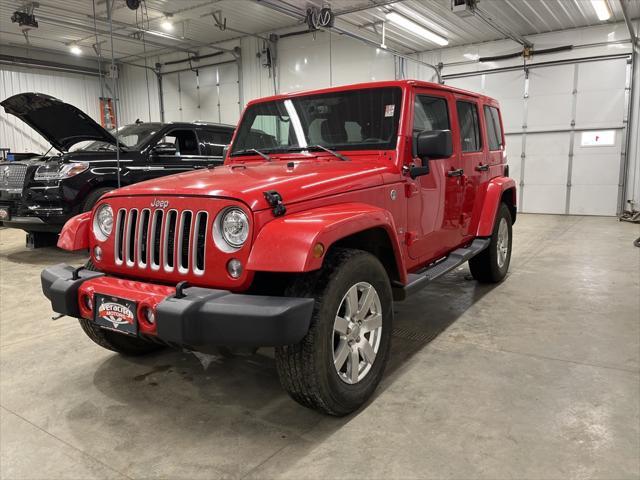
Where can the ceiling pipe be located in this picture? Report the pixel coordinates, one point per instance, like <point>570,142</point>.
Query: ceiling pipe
<point>295,13</point>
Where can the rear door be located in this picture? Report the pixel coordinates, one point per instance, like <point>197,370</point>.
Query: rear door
<point>473,157</point>
<point>435,203</point>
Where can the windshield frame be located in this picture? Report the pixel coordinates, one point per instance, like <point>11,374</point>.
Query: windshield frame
<point>287,102</point>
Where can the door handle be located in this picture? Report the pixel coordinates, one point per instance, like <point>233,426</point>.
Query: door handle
<point>455,173</point>
<point>482,167</point>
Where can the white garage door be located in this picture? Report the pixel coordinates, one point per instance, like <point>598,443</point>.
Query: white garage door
<point>565,133</point>
<point>209,94</point>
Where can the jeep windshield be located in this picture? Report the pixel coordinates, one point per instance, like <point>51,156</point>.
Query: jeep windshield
<point>349,120</point>
<point>129,136</point>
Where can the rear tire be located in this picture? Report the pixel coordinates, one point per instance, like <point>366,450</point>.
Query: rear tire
<point>93,198</point>
<point>339,363</point>
<point>116,342</point>
<point>492,265</point>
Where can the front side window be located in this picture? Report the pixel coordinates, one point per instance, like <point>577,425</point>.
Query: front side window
<point>348,120</point>
<point>469,127</point>
<point>494,130</point>
<point>184,141</point>
<point>430,113</point>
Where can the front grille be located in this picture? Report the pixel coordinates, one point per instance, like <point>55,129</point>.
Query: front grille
<point>159,240</point>
<point>12,176</point>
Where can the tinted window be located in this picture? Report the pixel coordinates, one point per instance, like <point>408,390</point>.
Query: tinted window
<point>430,113</point>
<point>212,142</point>
<point>348,120</point>
<point>469,127</point>
<point>494,131</point>
<point>184,140</point>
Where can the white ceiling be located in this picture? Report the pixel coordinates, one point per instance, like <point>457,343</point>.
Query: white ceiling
<point>62,22</point>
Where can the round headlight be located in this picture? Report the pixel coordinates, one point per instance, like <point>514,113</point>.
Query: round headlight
<point>103,222</point>
<point>234,227</point>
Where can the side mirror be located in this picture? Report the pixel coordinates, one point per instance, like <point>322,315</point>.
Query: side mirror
<point>431,145</point>
<point>164,149</point>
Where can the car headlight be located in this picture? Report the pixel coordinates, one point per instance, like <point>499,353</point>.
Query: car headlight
<point>231,226</point>
<point>103,222</point>
<point>65,170</point>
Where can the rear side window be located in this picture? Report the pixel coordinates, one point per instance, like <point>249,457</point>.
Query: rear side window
<point>494,131</point>
<point>213,142</point>
<point>430,113</point>
<point>469,127</point>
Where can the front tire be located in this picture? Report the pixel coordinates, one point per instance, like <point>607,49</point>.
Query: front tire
<point>116,342</point>
<point>492,265</point>
<point>93,197</point>
<point>339,363</point>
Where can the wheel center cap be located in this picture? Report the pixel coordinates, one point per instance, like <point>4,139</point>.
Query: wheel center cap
<point>355,331</point>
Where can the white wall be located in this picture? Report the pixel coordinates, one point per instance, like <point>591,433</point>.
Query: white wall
<point>138,95</point>
<point>83,91</point>
<point>323,60</point>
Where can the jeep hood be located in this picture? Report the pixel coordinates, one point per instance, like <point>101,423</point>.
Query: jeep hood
<point>62,124</point>
<point>295,181</point>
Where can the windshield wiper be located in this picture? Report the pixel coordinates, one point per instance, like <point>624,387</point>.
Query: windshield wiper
<point>332,152</point>
<point>316,147</point>
<point>252,150</point>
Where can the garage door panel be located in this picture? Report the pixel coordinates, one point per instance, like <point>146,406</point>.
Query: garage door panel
<point>603,75</point>
<point>551,80</point>
<point>549,112</point>
<point>593,200</point>
<point>546,169</point>
<point>505,85</point>
<point>548,143</point>
<point>208,77</point>
<point>600,109</point>
<point>544,198</point>
<point>514,150</point>
<point>512,112</point>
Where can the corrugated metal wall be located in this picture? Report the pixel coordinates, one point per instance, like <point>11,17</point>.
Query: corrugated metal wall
<point>138,95</point>
<point>83,91</point>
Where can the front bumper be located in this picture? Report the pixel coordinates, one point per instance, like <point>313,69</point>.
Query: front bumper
<point>203,317</point>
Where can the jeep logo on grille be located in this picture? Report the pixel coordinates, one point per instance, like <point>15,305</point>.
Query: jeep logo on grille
<point>160,203</point>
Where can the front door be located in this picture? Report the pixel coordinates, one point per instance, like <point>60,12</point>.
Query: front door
<point>435,199</point>
<point>186,157</point>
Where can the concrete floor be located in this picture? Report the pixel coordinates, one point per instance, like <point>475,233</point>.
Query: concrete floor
<point>538,377</point>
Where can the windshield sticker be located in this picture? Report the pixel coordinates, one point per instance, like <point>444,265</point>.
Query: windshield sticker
<point>388,110</point>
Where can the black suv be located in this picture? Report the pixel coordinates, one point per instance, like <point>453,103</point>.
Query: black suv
<point>39,195</point>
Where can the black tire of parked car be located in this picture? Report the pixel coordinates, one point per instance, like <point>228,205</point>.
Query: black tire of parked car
<point>93,197</point>
<point>484,266</point>
<point>306,369</point>
<point>116,342</point>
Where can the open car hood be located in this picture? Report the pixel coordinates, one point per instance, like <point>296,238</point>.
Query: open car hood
<point>62,124</point>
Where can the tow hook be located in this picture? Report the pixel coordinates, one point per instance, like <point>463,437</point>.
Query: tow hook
<point>275,200</point>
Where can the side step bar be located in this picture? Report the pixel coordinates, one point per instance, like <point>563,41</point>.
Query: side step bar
<point>419,280</point>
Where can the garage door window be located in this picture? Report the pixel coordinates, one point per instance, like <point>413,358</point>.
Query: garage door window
<point>469,127</point>
<point>494,131</point>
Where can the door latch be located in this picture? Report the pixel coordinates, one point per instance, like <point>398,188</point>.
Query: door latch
<point>482,167</point>
<point>455,173</point>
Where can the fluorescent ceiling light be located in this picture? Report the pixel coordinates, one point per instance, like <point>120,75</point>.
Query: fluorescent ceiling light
<point>167,25</point>
<point>602,9</point>
<point>75,49</point>
<point>413,27</point>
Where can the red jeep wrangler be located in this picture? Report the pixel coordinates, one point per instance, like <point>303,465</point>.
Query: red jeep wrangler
<point>331,205</point>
